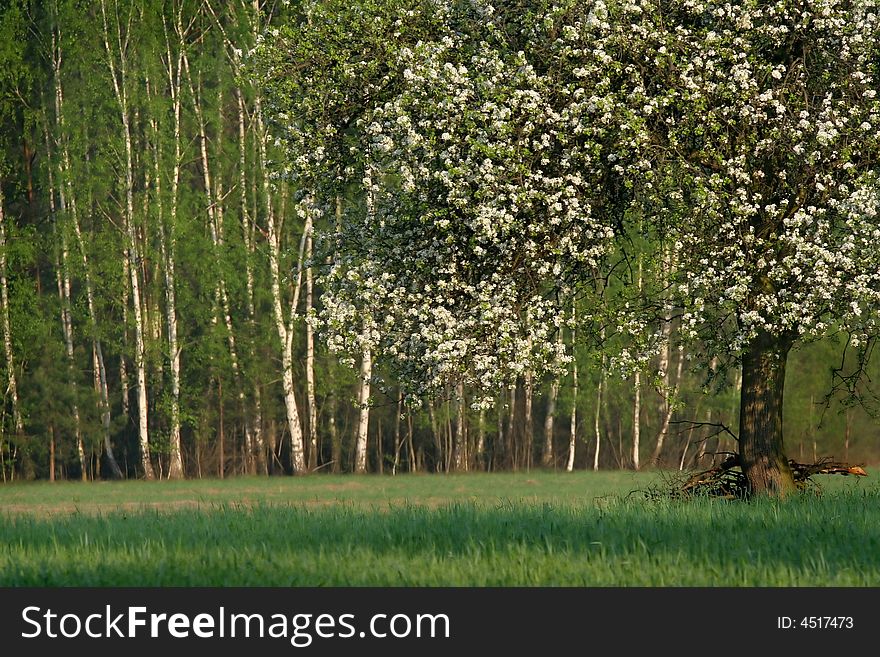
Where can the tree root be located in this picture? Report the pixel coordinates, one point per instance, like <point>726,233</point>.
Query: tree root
<point>727,480</point>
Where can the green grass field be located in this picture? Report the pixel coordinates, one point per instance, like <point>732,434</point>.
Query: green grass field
<point>526,529</point>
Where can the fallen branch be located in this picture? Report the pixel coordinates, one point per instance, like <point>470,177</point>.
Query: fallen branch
<point>727,480</point>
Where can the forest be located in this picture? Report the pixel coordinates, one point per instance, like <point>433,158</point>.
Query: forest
<point>182,277</point>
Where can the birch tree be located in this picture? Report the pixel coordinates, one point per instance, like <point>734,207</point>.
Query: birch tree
<point>117,40</point>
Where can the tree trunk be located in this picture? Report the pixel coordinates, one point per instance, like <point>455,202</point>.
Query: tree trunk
<point>62,274</point>
<point>547,449</point>
<point>460,446</point>
<point>11,383</point>
<point>247,226</point>
<point>360,450</point>
<point>168,248</point>
<point>637,417</point>
<point>572,436</point>
<point>398,440</point>
<point>480,447</point>
<point>335,441</point>
<point>118,76</point>
<point>311,403</point>
<point>511,450</point>
<point>599,390</point>
<point>285,332</point>
<point>528,390</point>
<point>761,450</point>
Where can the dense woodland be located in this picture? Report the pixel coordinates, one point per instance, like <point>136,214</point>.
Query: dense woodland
<point>161,290</point>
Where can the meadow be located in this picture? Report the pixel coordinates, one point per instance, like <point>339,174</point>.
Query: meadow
<point>510,529</point>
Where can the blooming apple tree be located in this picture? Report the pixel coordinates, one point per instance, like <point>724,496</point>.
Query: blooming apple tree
<point>505,152</point>
<point>764,127</point>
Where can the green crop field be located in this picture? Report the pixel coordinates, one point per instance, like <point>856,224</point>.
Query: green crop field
<point>525,529</point>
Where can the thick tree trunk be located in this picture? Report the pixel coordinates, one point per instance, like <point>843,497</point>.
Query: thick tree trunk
<point>761,450</point>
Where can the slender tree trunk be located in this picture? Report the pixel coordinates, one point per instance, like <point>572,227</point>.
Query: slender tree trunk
<point>335,442</point>
<point>360,450</point>
<point>66,186</point>
<point>670,391</point>
<point>398,439</point>
<point>599,393</point>
<point>11,381</point>
<point>528,393</point>
<point>168,248</point>
<point>52,452</point>
<point>310,361</point>
<point>118,76</point>
<point>480,448</point>
<point>215,210</point>
<point>547,450</point>
<point>62,268</point>
<point>285,333</point>
<point>762,453</point>
<point>413,461</point>
<point>572,435</point>
<point>247,226</point>
<point>637,418</point>
<point>511,425</point>
<point>460,446</point>
<point>498,448</point>
<point>63,281</point>
<point>438,440</point>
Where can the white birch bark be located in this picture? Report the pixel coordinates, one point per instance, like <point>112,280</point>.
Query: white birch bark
<point>118,75</point>
<point>366,374</point>
<point>598,415</point>
<point>285,334</point>
<point>310,361</point>
<point>167,254</point>
<point>572,436</point>
<point>168,249</point>
<point>284,329</point>
<point>360,451</point>
<point>11,381</point>
<point>637,418</point>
